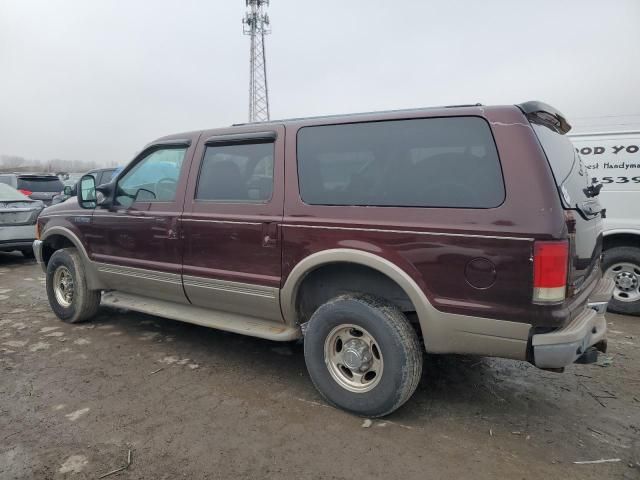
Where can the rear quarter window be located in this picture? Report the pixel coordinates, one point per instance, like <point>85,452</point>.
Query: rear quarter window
<point>435,162</point>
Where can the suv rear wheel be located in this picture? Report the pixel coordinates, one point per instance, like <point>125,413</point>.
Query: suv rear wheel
<point>69,296</point>
<point>623,265</point>
<point>363,355</point>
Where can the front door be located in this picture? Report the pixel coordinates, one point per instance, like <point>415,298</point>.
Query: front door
<point>136,244</point>
<point>231,223</point>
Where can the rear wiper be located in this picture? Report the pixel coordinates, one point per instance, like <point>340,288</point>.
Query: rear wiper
<point>593,190</point>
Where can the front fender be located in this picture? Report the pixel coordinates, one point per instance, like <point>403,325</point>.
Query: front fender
<point>48,237</point>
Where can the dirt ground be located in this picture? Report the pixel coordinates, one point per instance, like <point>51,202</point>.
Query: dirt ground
<point>190,402</point>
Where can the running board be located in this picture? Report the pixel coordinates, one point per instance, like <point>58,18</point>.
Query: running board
<point>230,322</point>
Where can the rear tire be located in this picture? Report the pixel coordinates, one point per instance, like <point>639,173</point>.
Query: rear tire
<point>67,289</point>
<point>363,355</point>
<point>623,265</point>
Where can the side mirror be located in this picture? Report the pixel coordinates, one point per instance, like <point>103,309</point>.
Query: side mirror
<point>104,194</point>
<point>87,192</point>
<point>67,191</point>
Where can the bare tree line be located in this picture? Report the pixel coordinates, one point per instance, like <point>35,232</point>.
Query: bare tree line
<point>14,163</point>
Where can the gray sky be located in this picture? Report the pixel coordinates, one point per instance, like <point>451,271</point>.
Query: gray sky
<point>97,79</point>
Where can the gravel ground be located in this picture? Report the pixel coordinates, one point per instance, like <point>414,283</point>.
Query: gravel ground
<point>190,402</point>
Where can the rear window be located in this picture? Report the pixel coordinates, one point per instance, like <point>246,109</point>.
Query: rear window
<point>570,173</point>
<point>40,184</point>
<point>435,162</point>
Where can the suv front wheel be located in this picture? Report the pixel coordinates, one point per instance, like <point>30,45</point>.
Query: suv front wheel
<point>363,355</point>
<point>67,290</point>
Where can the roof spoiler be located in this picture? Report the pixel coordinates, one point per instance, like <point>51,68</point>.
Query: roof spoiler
<point>544,114</point>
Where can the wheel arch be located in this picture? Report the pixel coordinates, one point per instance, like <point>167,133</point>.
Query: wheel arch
<point>291,289</point>
<point>55,238</point>
<point>621,238</point>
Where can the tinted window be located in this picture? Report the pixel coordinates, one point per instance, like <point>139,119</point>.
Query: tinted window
<point>436,162</point>
<point>44,184</point>
<point>154,178</point>
<point>237,173</point>
<point>571,175</point>
<point>105,176</point>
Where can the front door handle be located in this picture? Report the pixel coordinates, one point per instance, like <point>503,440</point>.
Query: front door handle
<point>269,234</point>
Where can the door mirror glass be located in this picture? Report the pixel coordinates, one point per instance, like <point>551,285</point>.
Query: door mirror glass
<point>87,192</point>
<point>67,190</point>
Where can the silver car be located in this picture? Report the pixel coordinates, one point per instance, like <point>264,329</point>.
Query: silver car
<point>18,215</point>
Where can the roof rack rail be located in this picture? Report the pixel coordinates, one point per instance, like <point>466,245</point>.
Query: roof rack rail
<point>539,112</point>
<point>354,114</point>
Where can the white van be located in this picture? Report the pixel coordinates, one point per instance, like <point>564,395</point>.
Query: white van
<point>613,158</point>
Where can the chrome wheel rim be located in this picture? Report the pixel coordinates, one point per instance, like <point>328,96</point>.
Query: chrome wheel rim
<point>63,286</point>
<point>627,278</point>
<point>353,358</point>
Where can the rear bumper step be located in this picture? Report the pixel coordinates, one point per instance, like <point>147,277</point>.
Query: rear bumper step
<point>599,298</point>
<point>580,340</point>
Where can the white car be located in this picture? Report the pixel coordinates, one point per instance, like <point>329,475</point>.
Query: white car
<point>18,215</point>
<point>613,159</point>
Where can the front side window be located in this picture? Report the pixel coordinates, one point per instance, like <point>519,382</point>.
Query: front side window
<point>241,173</point>
<point>433,162</point>
<point>152,179</point>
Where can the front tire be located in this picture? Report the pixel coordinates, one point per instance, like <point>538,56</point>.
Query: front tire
<point>363,355</point>
<point>67,289</point>
<point>623,265</point>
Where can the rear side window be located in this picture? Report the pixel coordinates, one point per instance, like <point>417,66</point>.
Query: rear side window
<point>45,184</point>
<point>435,162</point>
<point>240,173</point>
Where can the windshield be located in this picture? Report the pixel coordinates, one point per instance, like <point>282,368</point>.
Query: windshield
<point>8,193</point>
<point>571,175</point>
<point>43,184</point>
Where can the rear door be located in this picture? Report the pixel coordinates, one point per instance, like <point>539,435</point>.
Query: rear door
<point>579,196</point>
<point>231,222</point>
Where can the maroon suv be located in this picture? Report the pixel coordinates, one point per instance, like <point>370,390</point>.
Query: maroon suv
<point>467,229</point>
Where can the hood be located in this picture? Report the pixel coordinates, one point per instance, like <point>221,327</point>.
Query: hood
<point>70,205</point>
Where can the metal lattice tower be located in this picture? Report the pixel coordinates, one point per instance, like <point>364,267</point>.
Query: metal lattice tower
<point>256,25</point>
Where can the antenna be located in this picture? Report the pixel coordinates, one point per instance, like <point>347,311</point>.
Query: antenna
<point>256,24</point>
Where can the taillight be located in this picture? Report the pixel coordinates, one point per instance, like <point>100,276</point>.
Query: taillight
<point>37,230</point>
<point>550,265</point>
<point>25,192</point>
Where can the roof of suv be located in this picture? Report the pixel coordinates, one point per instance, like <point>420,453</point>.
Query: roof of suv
<point>535,111</point>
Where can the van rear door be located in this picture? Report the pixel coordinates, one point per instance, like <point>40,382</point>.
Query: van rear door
<point>579,196</point>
